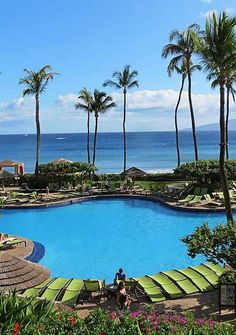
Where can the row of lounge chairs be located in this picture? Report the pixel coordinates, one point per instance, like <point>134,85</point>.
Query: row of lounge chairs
<point>157,287</point>
<point>177,283</point>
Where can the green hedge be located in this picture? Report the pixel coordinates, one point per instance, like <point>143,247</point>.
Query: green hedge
<point>205,171</point>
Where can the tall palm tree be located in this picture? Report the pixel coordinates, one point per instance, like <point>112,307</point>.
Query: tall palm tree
<point>217,49</point>
<point>124,80</point>
<point>36,83</point>
<point>182,70</point>
<point>229,91</point>
<point>101,104</point>
<point>182,50</point>
<point>85,104</point>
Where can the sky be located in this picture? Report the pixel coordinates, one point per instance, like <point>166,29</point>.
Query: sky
<point>85,42</point>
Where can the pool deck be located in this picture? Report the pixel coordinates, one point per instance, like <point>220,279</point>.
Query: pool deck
<point>168,203</point>
<point>202,305</point>
<point>20,250</point>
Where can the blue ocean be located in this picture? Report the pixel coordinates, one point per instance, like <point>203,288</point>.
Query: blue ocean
<point>150,151</point>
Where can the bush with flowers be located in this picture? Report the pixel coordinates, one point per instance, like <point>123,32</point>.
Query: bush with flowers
<point>20,316</point>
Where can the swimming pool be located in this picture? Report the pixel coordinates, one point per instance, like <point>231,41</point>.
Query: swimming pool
<point>93,238</point>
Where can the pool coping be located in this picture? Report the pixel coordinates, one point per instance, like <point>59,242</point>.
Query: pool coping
<point>153,198</point>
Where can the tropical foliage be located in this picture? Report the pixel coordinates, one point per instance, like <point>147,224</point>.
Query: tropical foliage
<point>216,47</point>
<point>34,317</point>
<point>61,170</point>
<point>206,171</point>
<point>217,244</point>
<point>124,80</point>
<point>36,83</point>
<point>228,277</point>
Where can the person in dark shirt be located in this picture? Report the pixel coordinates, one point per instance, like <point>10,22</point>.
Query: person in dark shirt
<point>119,276</point>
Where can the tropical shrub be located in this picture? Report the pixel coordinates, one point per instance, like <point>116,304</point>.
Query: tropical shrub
<point>20,316</point>
<point>63,169</point>
<point>35,182</point>
<point>205,171</point>
<point>228,277</point>
<point>217,244</point>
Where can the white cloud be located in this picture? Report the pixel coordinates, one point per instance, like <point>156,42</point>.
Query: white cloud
<point>206,1</point>
<point>209,13</point>
<point>147,110</point>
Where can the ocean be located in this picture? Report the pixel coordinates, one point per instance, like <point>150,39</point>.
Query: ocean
<point>149,151</point>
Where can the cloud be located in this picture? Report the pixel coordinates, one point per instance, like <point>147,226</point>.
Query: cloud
<point>147,110</point>
<point>206,1</point>
<point>209,13</point>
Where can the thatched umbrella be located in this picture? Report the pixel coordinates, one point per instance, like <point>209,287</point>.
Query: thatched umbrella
<point>61,161</point>
<point>134,172</point>
<point>19,274</point>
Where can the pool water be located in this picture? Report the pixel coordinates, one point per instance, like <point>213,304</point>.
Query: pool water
<point>93,238</point>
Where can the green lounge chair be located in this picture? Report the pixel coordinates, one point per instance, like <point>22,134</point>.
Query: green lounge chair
<point>11,241</point>
<point>182,281</point>
<point>34,291</point>
<point>72,292</point>
<point>196,200</point>
<point>217,268</point>
<point>197,279</point>
<point>187,199</point>
<point>167,285</point>
<point>131,287</point>
<point>54,289</point>
<point>151,290</point>
<point>93,286</point>
<point>210,202</point>
<point>210,276</point>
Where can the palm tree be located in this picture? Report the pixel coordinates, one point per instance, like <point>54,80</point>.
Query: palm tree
<point>229,91</point>
<point>86,105</point>
<point>101,104</point>
<point>182,51</point>
<point>123,80</point>
<point>217,49</point>
<point>182,70</point>
<point>36,83</point>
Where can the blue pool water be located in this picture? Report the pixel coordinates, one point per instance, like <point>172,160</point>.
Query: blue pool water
<point>93,238</point>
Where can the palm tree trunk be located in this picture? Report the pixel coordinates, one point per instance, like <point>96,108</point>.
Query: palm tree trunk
<point>95,138</point>
<point>227,123</point>
<point>88,136</point>
<point>124,132</point>
<point>176,121</point>
<point>223,178</point>
<point>192,113</point>
<point>38,133</point>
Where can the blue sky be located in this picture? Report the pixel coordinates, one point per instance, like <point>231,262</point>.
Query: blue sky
<point>85,41</point>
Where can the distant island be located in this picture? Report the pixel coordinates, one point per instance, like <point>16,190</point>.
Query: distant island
<point>214,126</point>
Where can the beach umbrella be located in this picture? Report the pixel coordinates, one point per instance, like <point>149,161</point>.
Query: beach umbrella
<point>19,274</point>
<point>134,172</point>
<point>61,160</point>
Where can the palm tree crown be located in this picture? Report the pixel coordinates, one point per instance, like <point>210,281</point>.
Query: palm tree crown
<point>124,79</point>
<point>37,81</point>
<point>101,102</point>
